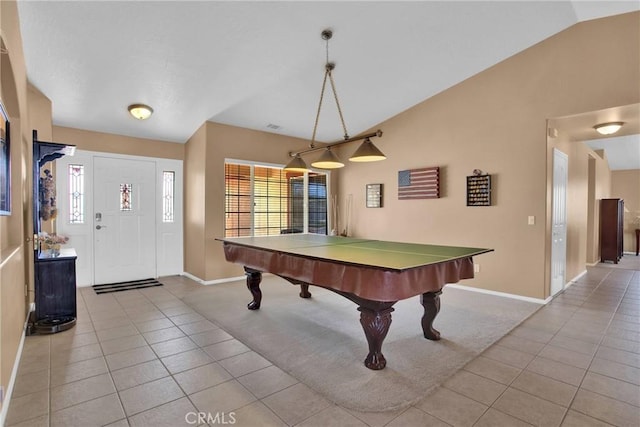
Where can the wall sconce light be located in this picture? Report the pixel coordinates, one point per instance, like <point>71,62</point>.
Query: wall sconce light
<point>367,152</point>
<point>140,111</point>
<point>608,128</point>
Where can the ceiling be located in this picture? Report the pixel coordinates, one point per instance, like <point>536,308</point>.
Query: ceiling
<point>260,64</point>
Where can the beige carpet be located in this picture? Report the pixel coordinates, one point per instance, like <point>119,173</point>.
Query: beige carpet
<point>321,343</point>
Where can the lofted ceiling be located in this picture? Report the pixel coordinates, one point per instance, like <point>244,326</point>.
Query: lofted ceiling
<point>260,64</point>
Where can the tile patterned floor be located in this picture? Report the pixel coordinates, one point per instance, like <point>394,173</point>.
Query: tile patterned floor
<point>144,358</point>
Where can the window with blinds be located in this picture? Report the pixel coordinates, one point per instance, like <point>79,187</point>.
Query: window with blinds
<point>265,201</point>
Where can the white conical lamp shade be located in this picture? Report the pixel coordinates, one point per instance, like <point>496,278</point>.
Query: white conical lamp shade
<point>328,160</point>
<point>367,152</point>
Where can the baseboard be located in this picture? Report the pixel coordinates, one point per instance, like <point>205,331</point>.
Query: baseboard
<point>500,294</point>
<point>14,372</point>
<point>213,282</point>
<point>575,279</point>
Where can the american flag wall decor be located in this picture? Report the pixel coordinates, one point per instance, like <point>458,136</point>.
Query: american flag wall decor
<point>419,183</point>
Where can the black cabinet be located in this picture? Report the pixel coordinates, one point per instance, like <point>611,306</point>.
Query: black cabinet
<point>55,274</point>
<point>611,229</point>
<point>55,292</point>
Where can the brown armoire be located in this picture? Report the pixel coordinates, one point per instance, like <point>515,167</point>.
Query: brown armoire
<point>611,229</point>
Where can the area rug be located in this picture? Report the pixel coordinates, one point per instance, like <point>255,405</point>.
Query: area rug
<point>125,286</point>
<point>320,342</point>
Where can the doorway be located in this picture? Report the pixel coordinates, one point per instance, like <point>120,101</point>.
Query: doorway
<point>124,230</point>
<point>122,214</point>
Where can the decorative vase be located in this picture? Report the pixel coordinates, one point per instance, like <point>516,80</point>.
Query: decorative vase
<point>52,249</point>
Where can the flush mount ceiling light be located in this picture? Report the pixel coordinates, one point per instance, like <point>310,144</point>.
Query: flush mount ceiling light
<point>328,160</point>
<point>140,111</point>
<point>608,128</point>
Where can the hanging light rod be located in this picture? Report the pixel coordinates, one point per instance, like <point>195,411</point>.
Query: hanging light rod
<point>367,152</point>
<point>377,133</point>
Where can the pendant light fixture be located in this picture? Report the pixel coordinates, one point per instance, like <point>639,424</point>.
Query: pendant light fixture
<point>367,152</point>
<point>328,160</point>
<point>297,165</point>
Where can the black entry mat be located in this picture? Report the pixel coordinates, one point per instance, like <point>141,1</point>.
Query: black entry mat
<point>125,286</point>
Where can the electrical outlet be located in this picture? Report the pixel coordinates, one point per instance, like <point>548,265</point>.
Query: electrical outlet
<point>531,220</point>
<point>476,268</point>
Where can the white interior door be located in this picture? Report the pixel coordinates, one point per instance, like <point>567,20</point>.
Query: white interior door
<point>124,220</point>
<point>559,222</point>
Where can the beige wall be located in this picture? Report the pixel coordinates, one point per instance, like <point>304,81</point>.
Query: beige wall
<point>195,172</point>
<point>602,191</point>
<point>40,111</point>
<point>206,152</point>
<point>625,184</point>
<point>118,144</point>
<point>15,253</point>
<point>39,108</point>
<point>496,121</point>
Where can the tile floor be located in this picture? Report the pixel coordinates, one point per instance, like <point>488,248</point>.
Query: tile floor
<point>144,358</point>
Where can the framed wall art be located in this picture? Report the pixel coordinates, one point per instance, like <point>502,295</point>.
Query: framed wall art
<point>479,190</point>
<point>423,183</point>
<point>5,163</point>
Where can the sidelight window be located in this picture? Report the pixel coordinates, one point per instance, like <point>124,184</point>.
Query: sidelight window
<point>168,187</point>
<point>76,194</point>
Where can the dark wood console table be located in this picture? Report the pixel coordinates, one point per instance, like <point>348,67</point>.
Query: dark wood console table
<point>55,292</point>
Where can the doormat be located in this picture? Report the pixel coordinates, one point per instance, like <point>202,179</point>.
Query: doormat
<point>125,286</point>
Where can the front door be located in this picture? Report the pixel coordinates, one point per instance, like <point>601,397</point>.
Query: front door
<point>559,222</point>
<point>124,220</point>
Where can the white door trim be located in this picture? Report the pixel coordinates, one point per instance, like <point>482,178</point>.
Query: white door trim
<point>559,222</point>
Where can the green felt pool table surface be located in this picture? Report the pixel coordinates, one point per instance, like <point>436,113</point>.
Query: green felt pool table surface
<point>373,253</point>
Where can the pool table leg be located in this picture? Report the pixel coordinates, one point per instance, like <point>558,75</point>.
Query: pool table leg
<point>375,323</point>
<point>431,303</point>
<point>254,277</point>
<point>304,290</point>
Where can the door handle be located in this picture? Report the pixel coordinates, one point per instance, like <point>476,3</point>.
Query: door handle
<point>98,227</point>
